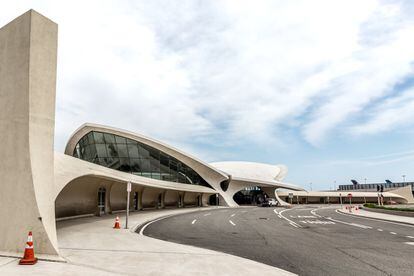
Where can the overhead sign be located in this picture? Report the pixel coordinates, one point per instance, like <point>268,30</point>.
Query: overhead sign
<point>290,195</point>
<point>349,195</point>
<point>129,187</point>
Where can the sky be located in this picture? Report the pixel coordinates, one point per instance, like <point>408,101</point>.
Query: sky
<point>324,87</point>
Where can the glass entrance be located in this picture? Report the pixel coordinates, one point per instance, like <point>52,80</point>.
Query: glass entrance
<point>101,201</point>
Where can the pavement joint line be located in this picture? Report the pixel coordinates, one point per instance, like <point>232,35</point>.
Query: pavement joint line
<point>135,251</point>
<point>193,221</point>
<point>9,262</point>
<point>232,223</point>
<point>393,233</point>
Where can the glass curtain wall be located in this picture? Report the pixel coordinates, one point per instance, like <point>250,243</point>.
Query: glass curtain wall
<point>123,154</point>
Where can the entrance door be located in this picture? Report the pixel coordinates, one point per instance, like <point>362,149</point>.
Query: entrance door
<point>101,201</point>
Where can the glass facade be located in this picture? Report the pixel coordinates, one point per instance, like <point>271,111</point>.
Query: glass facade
<point>123,154</point>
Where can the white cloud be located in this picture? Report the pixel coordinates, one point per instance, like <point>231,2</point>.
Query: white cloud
<point>232,70</point>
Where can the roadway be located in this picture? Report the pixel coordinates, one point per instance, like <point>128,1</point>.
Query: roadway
<point>307,240</point>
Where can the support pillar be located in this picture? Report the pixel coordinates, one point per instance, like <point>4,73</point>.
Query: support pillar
<point>28,56</point>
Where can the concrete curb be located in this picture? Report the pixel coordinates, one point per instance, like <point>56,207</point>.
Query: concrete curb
<point>379,219</point>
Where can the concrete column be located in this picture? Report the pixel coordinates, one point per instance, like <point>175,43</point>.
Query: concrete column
<point>140,206</point>
<point>28,55</point>
<point>163,199</point>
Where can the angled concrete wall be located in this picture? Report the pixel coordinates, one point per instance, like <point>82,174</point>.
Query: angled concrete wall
<point>28,52</point>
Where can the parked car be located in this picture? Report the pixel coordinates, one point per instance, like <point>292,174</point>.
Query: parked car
<point>269,202</point>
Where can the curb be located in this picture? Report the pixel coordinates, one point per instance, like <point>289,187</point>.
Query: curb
<point>379,219</point>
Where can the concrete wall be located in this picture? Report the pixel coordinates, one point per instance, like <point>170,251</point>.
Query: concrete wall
<point>28,54</point>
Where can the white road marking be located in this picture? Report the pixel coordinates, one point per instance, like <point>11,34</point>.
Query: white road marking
<point>275,212</point>
<point>294,224</point>
<point>207,214</point>
<point>279,216</point>
<point>380,230</point>
<point>385,221</point>
<point>291,216</point>
<point>393,233</point>
<point>232,215</point>
<point>410,237</point>
<point>352,224</point>
<point>315,214</point>
<point>193,221</point>
<point>409,243</point>
<point>306,217</point>
<point>317,222</point>
<point>232,223</point>
<point>244,211</point>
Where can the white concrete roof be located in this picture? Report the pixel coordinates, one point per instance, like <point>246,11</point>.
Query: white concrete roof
<point>252,170</point>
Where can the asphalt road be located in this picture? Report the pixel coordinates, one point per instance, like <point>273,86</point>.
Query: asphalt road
<point>307,240</point>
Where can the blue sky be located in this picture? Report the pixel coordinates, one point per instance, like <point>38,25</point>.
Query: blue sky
<point>325,87</point>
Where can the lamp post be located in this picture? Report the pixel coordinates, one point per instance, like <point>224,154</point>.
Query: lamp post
<point>310,184</point>
<point>365,181</point>
<point>403,176</point>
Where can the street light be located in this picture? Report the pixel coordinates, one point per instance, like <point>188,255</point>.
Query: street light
<point>365,181</point>
<point>403,176</point>
<point>310,184</point>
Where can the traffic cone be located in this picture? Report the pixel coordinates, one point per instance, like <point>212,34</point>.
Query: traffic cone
<point>29,257</point>
<point>117,225</point>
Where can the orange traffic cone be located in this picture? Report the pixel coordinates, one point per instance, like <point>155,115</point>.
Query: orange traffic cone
<point>29,257</point>
<point>117,225</point>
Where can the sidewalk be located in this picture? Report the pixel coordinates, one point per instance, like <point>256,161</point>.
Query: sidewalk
<point>381,216</point>
<point>91,247</point>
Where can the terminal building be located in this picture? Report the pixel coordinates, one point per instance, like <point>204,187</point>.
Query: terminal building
<point>39,186</point>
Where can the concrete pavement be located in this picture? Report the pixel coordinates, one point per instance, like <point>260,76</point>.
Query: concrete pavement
<point>91,247</point>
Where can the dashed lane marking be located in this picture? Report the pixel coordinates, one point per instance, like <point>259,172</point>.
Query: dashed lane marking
<point>232,223</point>
<point>380,230</point>
<point>306,217</point>
<point>207,214</point>
<point>193,221</point>
<point>393,233</point>
<point>409,243</point>
<point>410,237</point>
<point>232,215</point>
